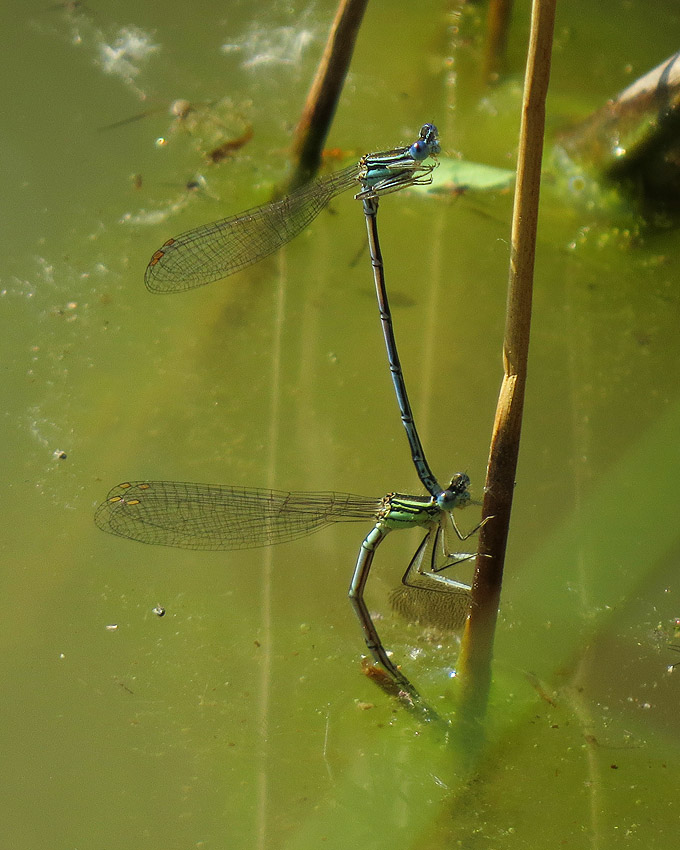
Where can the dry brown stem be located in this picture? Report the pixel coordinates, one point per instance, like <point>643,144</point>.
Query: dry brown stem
<point>476,652</point>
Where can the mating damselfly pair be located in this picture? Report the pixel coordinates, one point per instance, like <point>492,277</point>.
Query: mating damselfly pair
<point>219,517</point>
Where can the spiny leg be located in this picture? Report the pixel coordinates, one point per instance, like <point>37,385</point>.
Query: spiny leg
<point>423,570</point>
<point>427,597</point>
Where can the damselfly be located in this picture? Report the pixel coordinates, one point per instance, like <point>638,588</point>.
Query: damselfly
<point>219,517</point>
<point>215,251</point>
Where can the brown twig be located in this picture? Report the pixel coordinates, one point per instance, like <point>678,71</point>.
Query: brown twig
<point>476,653</point>
<point>322,100</point>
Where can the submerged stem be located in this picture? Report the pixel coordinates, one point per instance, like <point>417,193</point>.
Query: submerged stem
<point>322,99</point>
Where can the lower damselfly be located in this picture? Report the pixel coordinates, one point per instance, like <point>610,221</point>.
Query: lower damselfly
<point>215,517</point>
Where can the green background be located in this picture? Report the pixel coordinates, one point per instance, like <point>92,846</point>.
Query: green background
<point>236,720</point>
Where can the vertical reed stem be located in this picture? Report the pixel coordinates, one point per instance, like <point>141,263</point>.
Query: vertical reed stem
<point>477,649</point>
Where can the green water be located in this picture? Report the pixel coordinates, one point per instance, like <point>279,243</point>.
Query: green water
<point>235,720</point>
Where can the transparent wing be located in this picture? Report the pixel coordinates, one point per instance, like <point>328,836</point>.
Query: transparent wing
<point>220,517</point>
<point>215,251</point>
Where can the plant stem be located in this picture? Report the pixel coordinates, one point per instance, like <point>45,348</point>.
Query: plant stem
<point>477,649</point>
<point>322,99</point>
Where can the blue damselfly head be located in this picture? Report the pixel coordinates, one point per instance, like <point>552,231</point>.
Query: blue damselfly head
<point>427,144</point>
<point>456,494</point>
